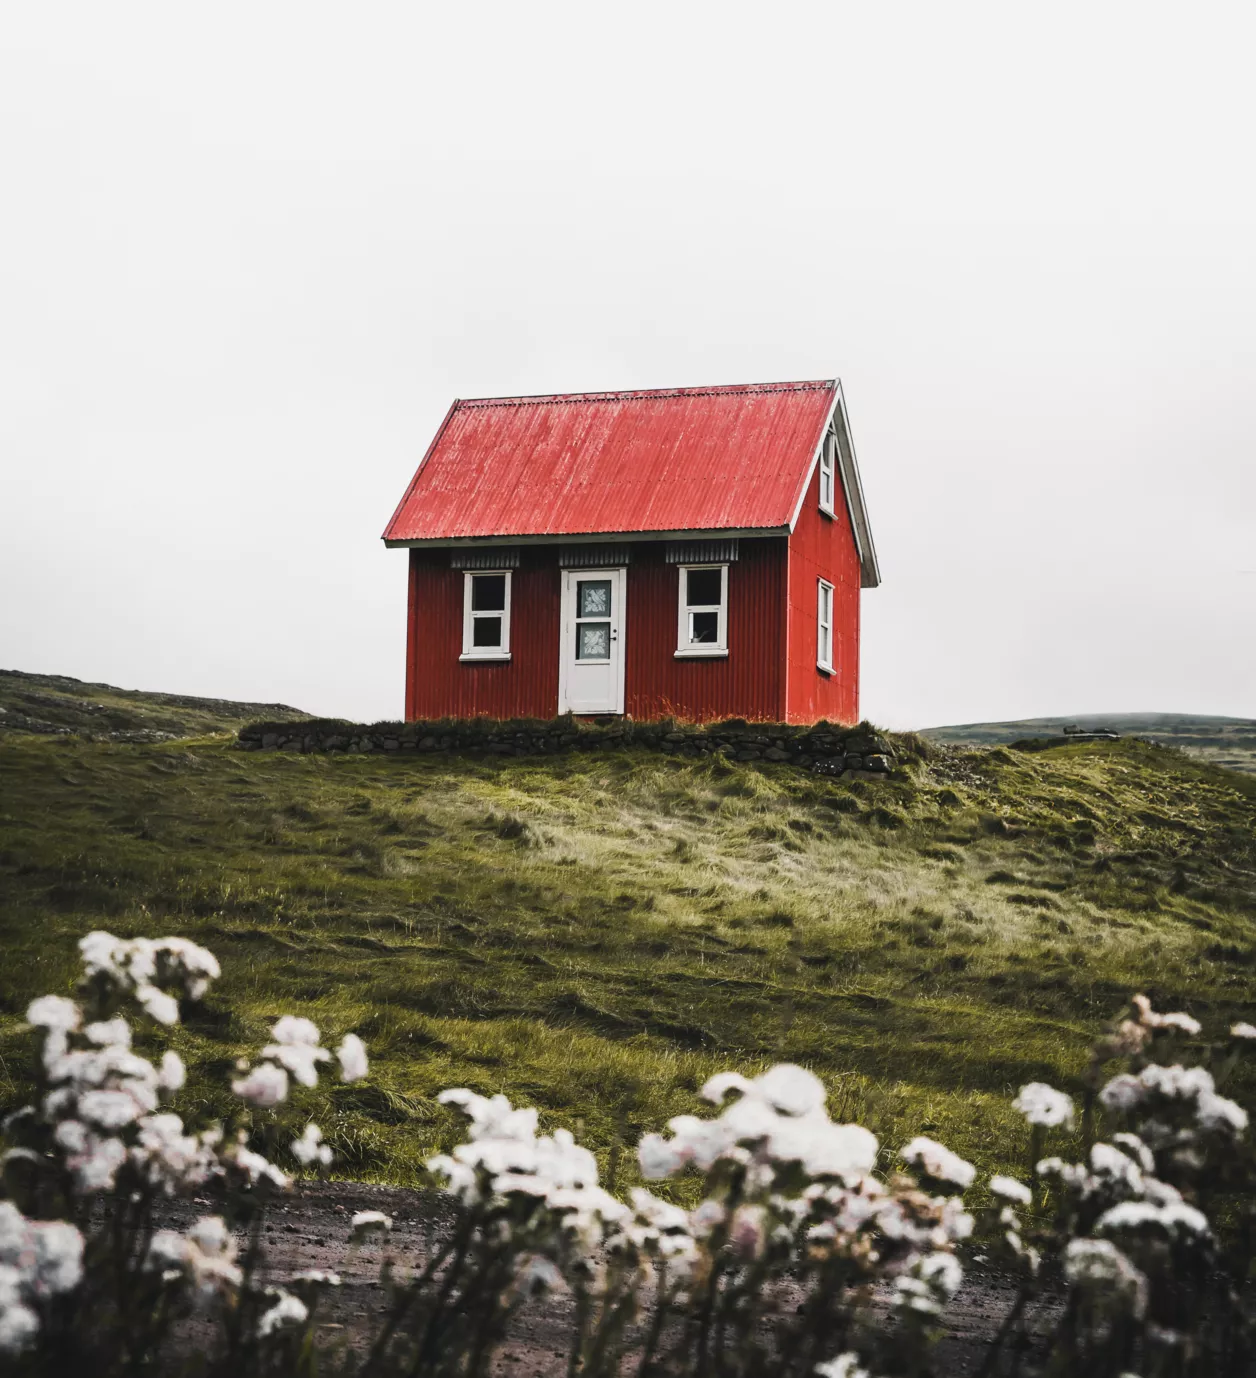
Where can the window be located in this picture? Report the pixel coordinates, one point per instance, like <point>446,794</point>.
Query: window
<point>828,473</point>
<point>702,628</point>
<point>824,626</point>
<point>486,615</point>
<point>593,625</point>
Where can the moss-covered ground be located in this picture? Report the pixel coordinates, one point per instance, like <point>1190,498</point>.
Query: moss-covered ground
<point>595,934</point>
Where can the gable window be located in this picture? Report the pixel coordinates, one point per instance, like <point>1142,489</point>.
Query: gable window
<point>486,615</point>
<point>824,625</point>
<point>828,473</point>
<point>702,622</point>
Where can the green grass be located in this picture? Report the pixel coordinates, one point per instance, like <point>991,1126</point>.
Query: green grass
<point>596,934</point>
<point>1229,742</point>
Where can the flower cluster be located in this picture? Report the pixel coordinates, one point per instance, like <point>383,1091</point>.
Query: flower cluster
<point>548,1181</point>
<point>145,971</point>
<point>295,1053</point>
<point>38,1259</point>
<point>100,1124</point>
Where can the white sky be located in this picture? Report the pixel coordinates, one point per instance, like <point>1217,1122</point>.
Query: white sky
<point>250,252</point>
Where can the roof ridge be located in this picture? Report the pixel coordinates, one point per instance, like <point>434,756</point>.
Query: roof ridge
<point>609,395</point>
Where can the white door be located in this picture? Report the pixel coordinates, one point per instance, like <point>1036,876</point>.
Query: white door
<point>591,658</point>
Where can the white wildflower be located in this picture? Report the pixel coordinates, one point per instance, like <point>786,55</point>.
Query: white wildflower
<point>1217,1113</point>
<point>1099,1264</point>
<point>114,1032</point>
<point>1123,1093</point>
<point>1176,1219</point>
<point>1239,1030</point>
<point>211,1253</point>
<point>19,1325</point>
<point>310,1148</point>
<point>54,1012</point>
<point>157,1004</point>
<point>299,1059</point>
<point>14,1236</point>
<point>538,1275</point>
<point>929,1284</point>
<point>264,1086</point>
<point>1044,1105</point>
<point>1183,1023</point>
<point>58,1257</point>
<point>352,1057</point>
<point>938,1162</point>
<point>317,1277</point>
<point>1011,1189</point>
<point>658,1158</point>
<point>1134,1147</point>
<point>193,967</point>
<point>168,1254</point>
<point>253,1167</point>
<point>287,1311</point>
<point>95,1165</point>
<point>169,1157</point>
<point>173,1075</point>
<point>368,1224</point>
<point>844,1366</point>
<point>109,1109</point>
<point>294,1030</point>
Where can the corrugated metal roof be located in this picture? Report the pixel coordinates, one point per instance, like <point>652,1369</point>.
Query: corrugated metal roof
<point>667,460</point>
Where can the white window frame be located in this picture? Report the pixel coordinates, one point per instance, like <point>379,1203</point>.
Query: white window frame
<point>686,647</point>
<point>828,475</point>
<point>470,651</point>
<point>824,626</point>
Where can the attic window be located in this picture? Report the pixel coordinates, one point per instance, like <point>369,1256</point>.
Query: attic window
<point>828,473</point>
<point>702,624</point>
<point>486,615</point>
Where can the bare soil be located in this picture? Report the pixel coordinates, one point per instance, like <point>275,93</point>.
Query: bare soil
<point>310,1229</point>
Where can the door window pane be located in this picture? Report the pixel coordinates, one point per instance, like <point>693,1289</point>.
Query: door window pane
<point>486,631</point>
<point>594,598</point>
<point>593,640</point>
<point>488,594</point>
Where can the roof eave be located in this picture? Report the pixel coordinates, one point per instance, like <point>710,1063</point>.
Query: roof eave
<point>586,537</point>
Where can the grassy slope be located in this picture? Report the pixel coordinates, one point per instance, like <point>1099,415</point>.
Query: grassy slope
<point>58,704</point>
<point>1227,742</point>
<point>596,934</point>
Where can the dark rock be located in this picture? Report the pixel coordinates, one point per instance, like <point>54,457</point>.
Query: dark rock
<point>748,755</point>
<point>854,762</point>
<point>774,753</point>
<point>877,764</point>
<point>270,739</point>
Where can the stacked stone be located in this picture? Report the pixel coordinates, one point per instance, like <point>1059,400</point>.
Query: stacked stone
<point>824,750</point>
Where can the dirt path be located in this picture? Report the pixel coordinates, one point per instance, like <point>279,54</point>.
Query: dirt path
<point>310,1229</point>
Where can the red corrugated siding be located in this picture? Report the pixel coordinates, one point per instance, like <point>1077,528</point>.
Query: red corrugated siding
<point>746,684</point>
<point>439,685</point>
<point>822,548</point>
<point>683,459</point>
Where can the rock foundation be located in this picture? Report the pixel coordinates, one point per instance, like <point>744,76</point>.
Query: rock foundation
<point>824,749</point>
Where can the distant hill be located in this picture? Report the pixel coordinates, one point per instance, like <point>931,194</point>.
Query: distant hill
<point>1221,741</point>
<point>57,705</point>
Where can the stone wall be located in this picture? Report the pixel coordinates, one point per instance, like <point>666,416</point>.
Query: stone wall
<point>825,749</point>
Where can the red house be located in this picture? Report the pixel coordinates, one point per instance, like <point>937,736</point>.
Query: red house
<point>695,552</point>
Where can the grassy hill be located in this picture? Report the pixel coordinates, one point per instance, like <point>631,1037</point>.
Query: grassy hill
<point>1229,742</point>
<point>57,705</point>
<point>596,934</point>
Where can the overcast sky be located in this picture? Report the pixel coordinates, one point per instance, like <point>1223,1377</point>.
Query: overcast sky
<point>249,253</point>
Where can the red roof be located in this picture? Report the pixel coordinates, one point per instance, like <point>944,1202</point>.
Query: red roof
<point>676,459</point>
